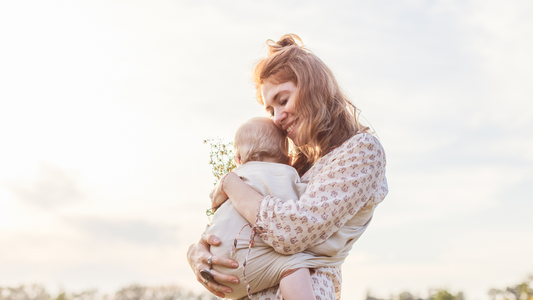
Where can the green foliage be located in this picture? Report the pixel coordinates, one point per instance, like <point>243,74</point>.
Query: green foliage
<point>406,296</point>
<point>443,294</point>
<point>434,294</point>
<point>521,291</point>
<point>221,159</point>
<point>133,292</point>
<point>139,292</point>
<point>24,292</point>
<point>62,296</point>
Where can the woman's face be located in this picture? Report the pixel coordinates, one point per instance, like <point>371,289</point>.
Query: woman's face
<point>279,101</point>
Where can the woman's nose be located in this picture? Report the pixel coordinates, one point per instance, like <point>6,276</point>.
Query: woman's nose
<point>279,116</point>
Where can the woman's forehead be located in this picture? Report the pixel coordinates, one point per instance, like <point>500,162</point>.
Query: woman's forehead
<point>269,91</point>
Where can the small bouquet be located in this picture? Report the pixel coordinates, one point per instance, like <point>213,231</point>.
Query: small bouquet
<point>220,159</point>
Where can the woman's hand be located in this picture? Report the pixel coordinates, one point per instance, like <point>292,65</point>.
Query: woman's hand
<point>198,254</point>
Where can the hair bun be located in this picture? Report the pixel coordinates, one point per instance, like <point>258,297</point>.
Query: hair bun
<point>287,40</point>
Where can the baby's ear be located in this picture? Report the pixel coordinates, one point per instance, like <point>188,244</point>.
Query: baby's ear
<point>237,160</point>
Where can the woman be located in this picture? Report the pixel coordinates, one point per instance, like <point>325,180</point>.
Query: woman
<point>343,164</point>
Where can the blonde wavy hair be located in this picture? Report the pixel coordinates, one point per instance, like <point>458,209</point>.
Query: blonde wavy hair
<point>327,117</point>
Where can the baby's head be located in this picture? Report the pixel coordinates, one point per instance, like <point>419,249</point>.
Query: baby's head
<point>260,140</point>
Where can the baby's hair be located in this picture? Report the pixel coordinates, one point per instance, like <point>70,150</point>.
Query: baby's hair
<point>259,138</point>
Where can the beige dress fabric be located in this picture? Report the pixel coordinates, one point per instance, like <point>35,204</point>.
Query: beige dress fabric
<point>321,225</point>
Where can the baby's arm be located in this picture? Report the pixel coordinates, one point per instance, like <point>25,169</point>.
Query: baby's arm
<point>297,285</point>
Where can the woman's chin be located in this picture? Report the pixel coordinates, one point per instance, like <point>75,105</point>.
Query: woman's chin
<point>293,135</point>
<point>294,141</point>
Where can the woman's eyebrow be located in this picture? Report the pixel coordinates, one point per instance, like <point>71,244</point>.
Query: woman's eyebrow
<point>280,93</point>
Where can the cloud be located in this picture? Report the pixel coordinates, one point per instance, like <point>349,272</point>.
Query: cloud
<point>50,188</point>
<point>132,231</point>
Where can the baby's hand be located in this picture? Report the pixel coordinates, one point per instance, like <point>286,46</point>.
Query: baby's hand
<point>217,195</point>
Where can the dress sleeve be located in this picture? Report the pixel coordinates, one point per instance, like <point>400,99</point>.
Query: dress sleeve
<point>352,177</point>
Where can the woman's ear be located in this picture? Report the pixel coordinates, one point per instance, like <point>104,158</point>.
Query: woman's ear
<point>237,160</point>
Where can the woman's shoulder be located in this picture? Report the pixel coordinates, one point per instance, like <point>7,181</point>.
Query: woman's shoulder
<point>359,142</point>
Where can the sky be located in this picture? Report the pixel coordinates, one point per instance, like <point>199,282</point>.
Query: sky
<point>104,179</point>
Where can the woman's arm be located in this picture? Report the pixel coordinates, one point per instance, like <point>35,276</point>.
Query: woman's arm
<point>244,198</point>
<point>352,177</point>
<point>340,185</point>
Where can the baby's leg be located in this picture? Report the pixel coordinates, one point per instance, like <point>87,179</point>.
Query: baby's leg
<point>297,286</point>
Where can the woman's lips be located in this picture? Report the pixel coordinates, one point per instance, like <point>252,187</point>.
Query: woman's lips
<point>290,128</point>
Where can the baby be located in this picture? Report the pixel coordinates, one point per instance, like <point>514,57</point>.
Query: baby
<point>261,153</point>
